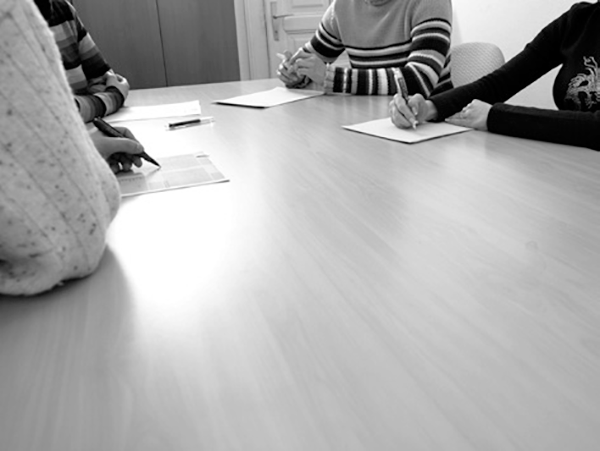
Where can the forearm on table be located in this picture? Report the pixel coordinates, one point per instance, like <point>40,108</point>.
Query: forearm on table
<point>99,104</point>
<point>573,128</point>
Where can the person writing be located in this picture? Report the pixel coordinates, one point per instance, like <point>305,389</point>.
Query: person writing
<point>58,195</point>
<point>98,90</point>
<point>571,42</point>
<point>381,37</point>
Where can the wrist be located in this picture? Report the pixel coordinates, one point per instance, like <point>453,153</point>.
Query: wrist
<point>117,92</point>
<point>302,83</point>
<point>431,112</point>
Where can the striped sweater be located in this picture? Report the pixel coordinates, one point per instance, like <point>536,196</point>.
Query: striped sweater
<point>57,196</point>
<point>85,67</point>
<point>411,35</point>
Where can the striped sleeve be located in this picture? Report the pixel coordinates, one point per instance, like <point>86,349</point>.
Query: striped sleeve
<point>326,42</point>
<point>85,66</point>
<point>423,65</point>
<point>428,54</point>
<point>99,101</point>
<point>99,104</point>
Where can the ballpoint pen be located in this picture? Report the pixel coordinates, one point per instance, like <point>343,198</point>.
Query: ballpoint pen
<point>402,89</point>
<point>199,120</point>
<point>109,130</point>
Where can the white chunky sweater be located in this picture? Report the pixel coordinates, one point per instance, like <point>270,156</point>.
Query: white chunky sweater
<point>57,195</point>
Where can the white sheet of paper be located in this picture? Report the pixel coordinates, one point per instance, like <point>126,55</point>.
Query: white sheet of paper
<point>272,97</point>
<point>179,171</point>
<point>142,113</point>
<point>384,128</point>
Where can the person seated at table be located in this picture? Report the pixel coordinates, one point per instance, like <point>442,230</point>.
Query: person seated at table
<point>58,195</point>
<point>570,41</point>
<point>381,37</point>
<point>98,90</point>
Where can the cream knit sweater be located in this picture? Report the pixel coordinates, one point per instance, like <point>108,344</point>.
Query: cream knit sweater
<point>57,195</point>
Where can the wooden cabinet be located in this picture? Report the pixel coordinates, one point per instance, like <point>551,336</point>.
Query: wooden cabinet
<point>165,42</point>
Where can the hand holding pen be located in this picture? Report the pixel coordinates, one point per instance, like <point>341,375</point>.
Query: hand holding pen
<point>407,112</point>
<point>286,72</point>
<point>401,100</point>
<point>123,152</point>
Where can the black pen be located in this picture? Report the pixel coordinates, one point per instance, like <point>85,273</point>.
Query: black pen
<point>109,130</point>
<point>199,120</point>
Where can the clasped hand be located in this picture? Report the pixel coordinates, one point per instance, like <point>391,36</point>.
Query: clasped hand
<point>300,64</point>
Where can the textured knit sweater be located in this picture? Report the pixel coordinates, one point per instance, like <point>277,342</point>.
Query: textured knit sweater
<point>573,42</point>
<point>412,35</point>
<point>57,195</point>
<point>85,66</point>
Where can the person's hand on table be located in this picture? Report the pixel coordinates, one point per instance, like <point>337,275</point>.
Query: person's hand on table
<point>416,111</point>
<point>117,81</point>
<point>121,154</point>
<point>286,73</point>
<point>306,63</point>
<point>474,115</point>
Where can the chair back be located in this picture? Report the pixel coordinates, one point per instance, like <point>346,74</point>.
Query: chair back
<point>472,60</point>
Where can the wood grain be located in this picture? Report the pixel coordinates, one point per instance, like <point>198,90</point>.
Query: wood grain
<point>339,293</point>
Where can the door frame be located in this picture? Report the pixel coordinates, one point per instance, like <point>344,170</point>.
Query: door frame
<point>253,52</point>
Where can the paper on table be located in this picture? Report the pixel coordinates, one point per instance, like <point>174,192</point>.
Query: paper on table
<point>180,171</point>
<point>384,128</point>
<point>141,113</point>
<point>272,97</point>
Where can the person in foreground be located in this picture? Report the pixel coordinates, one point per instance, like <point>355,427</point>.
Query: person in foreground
<point>572,42</point>
<point>98,90</point>
<point>384,39</point>
<point>58,195</point>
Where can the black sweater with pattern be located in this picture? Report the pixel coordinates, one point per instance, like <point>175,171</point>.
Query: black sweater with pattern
<point>573,42</point>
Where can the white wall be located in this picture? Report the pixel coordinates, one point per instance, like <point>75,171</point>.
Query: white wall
<point>510,24</point>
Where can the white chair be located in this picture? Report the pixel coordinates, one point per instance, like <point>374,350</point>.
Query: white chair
<point>472,60</point>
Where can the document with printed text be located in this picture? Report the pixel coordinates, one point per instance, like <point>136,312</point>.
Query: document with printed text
<point>180,171</point>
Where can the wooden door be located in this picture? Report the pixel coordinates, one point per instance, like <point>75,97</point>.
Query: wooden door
<point>199,41</point>
<point>128,35</point>
<point>290,24</point>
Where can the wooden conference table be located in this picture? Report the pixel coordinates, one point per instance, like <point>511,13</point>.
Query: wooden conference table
<point>341,292</point>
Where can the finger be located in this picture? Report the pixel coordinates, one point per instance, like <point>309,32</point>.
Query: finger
<point>456,119</point>
<point>405,109</point>
<point>302,64</point>
<point>137,161</point>
<point>120,158</point>
<point>398,117</point>
<point>288,80</point>
<point>126,166</point>
<point>413,104</point>
<point>287,74</point>
<point>126,132</point>
<point>129,146</point>
<point>300,55</point>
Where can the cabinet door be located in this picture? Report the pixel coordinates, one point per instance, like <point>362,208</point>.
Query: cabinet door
<point>127,32</point>
<point>199,41</point>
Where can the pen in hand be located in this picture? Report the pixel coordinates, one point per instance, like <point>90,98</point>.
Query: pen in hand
<point>284,60</point>
<point>109,130</point>
<point>403,91</point>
